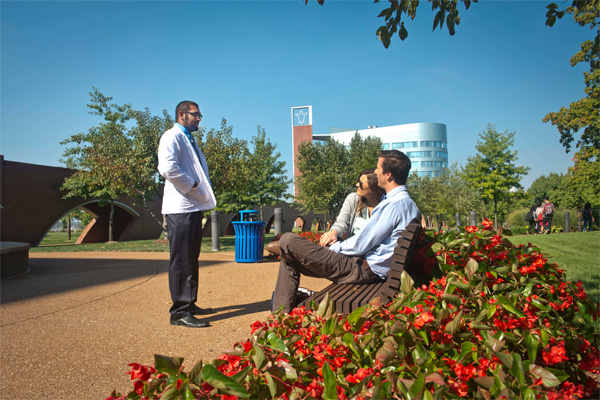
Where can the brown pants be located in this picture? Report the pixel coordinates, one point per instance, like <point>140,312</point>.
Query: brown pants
<point>301,256</point>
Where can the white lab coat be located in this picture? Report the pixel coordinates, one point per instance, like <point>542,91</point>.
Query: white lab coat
<point>179,165</point>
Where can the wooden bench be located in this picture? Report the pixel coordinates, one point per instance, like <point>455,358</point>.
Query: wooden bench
<point>348,297</point>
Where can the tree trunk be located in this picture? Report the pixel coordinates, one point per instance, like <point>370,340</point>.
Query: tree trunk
<point>69,226</point>
<point>111,220</point>
<point>495,214</point>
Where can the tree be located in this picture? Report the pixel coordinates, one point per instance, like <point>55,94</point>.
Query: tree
<point>552,186</point>
<point>493,171</point>
<point>329,171</point>
<point>98,158</point>
<point>583,179</point>
<point>102,170</point>
<point>268,183</point>
<point>445,11</point>
<point>227,159</point>
<point>584,113</point>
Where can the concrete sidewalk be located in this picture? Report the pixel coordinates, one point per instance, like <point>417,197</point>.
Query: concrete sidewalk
<point>69,327</point>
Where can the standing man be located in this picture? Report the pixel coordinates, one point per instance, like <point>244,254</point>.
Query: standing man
<point>188,193</point>
<point>548,214</point>
<point>365,257</point>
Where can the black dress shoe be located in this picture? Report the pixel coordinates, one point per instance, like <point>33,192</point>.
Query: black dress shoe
<point>194,309</point>
<point>190,321</point>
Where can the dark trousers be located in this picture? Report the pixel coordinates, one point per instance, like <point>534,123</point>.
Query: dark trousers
<point>587,224</point>
<point>547,222</point>
<point>301,256</point>
<point>185,239</point>
<point>532,226</point>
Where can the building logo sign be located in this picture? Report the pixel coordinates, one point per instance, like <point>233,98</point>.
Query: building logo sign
<point>301,116</point>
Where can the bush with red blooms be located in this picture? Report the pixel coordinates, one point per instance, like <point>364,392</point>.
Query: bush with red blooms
<point>495,321</point>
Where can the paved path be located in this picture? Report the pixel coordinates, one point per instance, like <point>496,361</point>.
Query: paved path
<point>69,328</point>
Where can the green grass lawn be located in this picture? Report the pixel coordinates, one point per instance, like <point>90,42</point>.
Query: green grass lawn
<point>58,242</point>
<point>578,253</point>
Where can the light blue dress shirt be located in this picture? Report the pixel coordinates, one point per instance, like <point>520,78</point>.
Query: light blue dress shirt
<point>376,241</point>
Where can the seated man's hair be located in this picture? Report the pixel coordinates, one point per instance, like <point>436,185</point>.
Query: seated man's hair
<point>184,106</point>
<point>397,163</point>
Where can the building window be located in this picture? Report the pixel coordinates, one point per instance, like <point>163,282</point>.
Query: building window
<point>425,173</point>
<point>436,164</point>
<point>417,154</point>
<point>385,146</point>
<point>404,145</point>
<point>433,143</point>
<point>441,154</point>
<point>414,164</point>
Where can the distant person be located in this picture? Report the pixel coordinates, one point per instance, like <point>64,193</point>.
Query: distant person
<point>539,217</point>
<point>588,217</point>
<point>356,210</point>
<point>365,257</point>
<point>548,214</point>
<point>187,194</point>
<point>530,217</point>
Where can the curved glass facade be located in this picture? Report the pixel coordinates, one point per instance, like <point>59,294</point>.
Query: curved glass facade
<point>426,144</point>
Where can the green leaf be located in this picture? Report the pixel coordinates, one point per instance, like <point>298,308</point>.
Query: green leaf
<point>548,378</point>
<point>471,268</point>
<point>214,377</point>
<point>508,306</point>
<point>195,372</point>
<point>407,283</point>
<point>276,343</point>
<point>271,384</point>
<point>354,317</point>
<point>259,358</point>
<point>505,358</point>
<point>532,343</point>
<point>517,368</point>
<point>416,390</point>
<point>453,299</point>
<point>330,392</point>
<point>187,392</point>
<point>561,375</point>
<point>403,33</point>
<point>165,364</point>
<point>453,325</point>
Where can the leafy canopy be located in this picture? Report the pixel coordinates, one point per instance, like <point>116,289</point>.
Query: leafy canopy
<point>330,170</point>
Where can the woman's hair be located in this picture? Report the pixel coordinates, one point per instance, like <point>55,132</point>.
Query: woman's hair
<point>533,207</point>
<point>373,186</point>
<point>587,205</point>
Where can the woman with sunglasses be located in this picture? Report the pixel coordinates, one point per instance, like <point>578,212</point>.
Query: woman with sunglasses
<point>356,210</point>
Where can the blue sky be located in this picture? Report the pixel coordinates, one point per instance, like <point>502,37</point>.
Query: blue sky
<point>251,61</point>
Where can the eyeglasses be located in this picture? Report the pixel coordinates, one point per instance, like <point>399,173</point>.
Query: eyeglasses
<point>194,114</point>
<point>360,185</point>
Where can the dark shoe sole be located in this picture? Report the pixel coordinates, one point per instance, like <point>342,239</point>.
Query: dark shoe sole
<point>204,325</point>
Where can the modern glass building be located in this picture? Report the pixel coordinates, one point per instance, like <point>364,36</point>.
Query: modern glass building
<point>426,144</point>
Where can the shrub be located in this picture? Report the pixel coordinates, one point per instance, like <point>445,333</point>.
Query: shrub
<point>516,219</point>
<point>495,321</point>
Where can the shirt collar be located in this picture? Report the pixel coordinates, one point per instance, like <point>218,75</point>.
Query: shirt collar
<point>184,130</point>
<point>394,191</point>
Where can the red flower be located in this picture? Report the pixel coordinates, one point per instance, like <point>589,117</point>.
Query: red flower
<point>139,371</point>
<point>556,355</point>
<point>359,376</point>
<point>423,318</point>
<point>471,229</point>
<point>487,224</point>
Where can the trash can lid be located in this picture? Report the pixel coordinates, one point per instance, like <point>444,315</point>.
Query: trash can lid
<point>247,213</point>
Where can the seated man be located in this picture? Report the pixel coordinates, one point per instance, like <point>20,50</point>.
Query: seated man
<point>363,258</point>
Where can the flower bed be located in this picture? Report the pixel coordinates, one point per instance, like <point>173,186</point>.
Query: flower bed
<point>492,321</point>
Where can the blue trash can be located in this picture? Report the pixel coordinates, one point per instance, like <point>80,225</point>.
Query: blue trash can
<point>249,237</point>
